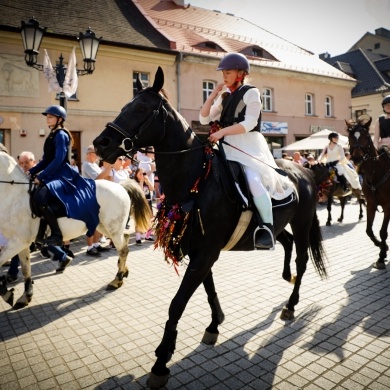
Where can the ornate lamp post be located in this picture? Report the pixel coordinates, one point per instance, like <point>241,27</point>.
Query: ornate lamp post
<point>32,35</point>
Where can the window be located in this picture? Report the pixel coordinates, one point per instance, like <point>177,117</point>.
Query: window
<point>377,46</point>
<point>328,106</point>
<point>267,99</point>
<point>2,136</point>
<point>360,112</point>
<point>208,87</point>
<point>309,109</point>
<point>144,77</point>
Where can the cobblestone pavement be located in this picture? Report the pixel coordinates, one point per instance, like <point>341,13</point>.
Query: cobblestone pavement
<point>76,335</point>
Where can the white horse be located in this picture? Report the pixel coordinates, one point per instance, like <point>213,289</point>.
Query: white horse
<point>19,227</point>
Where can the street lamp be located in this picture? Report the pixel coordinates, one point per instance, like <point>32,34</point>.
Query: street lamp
<point>32,35</point>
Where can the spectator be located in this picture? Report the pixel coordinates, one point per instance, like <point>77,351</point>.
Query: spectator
<point>119,174</point>
<point>91,170</point>
<point>297,158</point>
<point>142,179</point>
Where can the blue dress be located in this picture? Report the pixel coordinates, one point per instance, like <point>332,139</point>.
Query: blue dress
<point>77,194</point>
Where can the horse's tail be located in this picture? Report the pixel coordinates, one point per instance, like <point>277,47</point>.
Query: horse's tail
<point>140,208</point>
<point>317,251</point>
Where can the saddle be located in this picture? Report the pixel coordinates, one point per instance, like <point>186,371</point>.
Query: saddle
<point>241,186</point>
<point>56,205</point>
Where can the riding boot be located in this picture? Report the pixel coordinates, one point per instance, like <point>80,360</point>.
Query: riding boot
<point>41,232</point>
<point>55,238</point>
<point>264,235</point>
<point>343,181</point>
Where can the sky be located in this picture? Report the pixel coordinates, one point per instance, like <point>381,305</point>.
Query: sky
<point>319,26</point>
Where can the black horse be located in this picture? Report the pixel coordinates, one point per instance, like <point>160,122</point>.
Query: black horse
<point>325,176</point>
<point>201,209</point>
<point>375,168</point>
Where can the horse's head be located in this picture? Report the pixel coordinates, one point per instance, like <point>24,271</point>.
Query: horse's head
<point>359,137</point>
<point>140,123</point>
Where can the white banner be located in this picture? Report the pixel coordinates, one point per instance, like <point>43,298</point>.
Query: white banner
<point>71,79</point>
<point>50,74</point>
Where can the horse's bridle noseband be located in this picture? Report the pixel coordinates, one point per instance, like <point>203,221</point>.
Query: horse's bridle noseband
<point>142,128</point>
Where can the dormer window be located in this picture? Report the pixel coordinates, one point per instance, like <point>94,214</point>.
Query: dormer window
<point>258,52</point>
<point>209,45</point>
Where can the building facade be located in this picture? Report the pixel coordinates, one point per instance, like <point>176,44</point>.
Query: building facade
<point>301,93</point>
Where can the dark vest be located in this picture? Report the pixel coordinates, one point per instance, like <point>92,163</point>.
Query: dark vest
<point>384,127</point>
<point>234,108</point>
<point>49,148</point>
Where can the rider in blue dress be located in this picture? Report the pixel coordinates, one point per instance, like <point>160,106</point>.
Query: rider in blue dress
<point>62,191</point>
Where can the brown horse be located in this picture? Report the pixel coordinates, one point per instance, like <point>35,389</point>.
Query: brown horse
<point>331,188</point>
<point>375,168</point>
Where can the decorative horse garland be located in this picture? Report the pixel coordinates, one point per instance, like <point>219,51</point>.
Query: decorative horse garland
<point>322,189</point>
<point>171,221</point>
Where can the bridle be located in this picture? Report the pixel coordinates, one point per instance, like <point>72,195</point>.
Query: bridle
<point>127,144</point>
<point>366,150</point>
<point>142,128</point>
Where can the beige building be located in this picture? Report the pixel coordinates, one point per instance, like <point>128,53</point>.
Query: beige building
<point>301,93</point>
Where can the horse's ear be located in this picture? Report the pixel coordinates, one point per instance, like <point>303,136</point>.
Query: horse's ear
<point>139,83</point>
<point>349,123</point>
<point>158,80</point>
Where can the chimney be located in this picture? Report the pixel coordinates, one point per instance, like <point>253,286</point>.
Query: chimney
<point>383,32</point>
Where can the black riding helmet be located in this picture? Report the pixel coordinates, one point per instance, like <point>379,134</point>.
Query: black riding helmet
<point>385,100</point>
<point>332,135</point>
<point>234,61</point>
<point>56,110</point>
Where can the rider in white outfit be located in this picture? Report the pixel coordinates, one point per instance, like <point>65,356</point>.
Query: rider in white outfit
<point>335,152</point>
<point>238,108</point>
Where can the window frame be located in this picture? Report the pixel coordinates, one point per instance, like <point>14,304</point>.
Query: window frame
<point>328,106</point>
<point>206,90</point>
<point>145,82</point>
<point>267,100</point>
<point>309,104</point>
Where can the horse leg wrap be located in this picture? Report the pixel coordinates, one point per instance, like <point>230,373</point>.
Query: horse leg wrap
<point>28,287</point>
<point>216,310</point>
<point>168,344</point>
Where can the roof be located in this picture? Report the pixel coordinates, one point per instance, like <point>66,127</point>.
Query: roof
<point>371,70</point>
<point>188,27</point>
<point>116,21</point>
<point>165,26</point>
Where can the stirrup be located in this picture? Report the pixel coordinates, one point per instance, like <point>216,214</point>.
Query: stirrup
<point>263,238</point>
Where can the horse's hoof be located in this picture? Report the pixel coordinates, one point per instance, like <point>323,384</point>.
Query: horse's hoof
<point>328,224</point>
<point>287,314</point>
<point>379,265</point>
<point>157,381</point>
<point>209,338</point>
<point>20,305</point>
<point>112,286</point>
<point>8,297</point>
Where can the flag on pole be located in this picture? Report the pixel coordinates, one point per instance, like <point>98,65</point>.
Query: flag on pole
<point>50,74</point>
<point>71,80</point>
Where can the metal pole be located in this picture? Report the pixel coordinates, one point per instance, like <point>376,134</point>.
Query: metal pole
<point>60,73</point>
